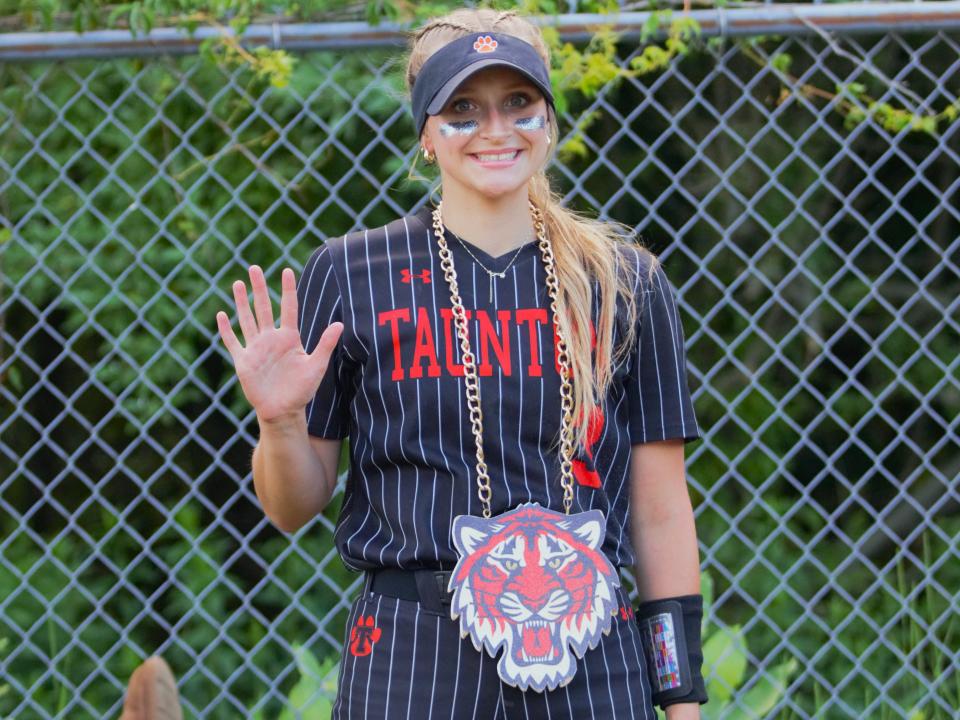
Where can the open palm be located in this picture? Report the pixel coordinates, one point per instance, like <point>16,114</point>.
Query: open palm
<point>277,375</point>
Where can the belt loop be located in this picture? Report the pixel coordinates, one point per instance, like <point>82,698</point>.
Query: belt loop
<point>428,591</point>
<point>442,578</point>
<point>367,582</point>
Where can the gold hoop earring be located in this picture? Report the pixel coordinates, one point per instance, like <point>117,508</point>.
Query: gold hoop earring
<point>427,157</point>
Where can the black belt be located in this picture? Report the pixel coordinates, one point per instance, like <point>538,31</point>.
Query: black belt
<point>428,587</point>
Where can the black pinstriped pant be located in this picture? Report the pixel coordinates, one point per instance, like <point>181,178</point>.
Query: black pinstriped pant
<point>401,660</point>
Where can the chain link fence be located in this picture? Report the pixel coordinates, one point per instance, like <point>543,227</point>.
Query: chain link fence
<point>818,271</point>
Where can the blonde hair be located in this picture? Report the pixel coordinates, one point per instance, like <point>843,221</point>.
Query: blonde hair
<point>585,250</point>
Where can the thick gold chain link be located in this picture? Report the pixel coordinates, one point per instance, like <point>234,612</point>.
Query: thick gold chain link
<point>470,369</point>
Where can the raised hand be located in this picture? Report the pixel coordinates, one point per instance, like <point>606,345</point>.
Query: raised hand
<point>277,376</point>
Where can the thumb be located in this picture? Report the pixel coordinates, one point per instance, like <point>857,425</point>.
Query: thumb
<point>327,342</point>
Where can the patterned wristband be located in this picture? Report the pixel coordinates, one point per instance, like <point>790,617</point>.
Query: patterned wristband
<point>670,630</point>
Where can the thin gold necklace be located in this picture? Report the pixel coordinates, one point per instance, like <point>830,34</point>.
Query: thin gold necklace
<point>503,273</point>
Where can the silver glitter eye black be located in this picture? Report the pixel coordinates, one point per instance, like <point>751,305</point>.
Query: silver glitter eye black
<point>538,122</point>
<point>465,127</point>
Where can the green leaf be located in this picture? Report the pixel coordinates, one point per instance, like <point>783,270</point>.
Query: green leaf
<point>312,697</point>
<point>854,117</point>
<point>781,62</point>
<point>927,124</point>
<point>135,11</point>
<point>307,663</point>
<point>725,661</point>
<point>765,694</point>
<point>116,12</point>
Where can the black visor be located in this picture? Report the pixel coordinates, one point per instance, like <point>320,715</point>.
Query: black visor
<point>448,67</point>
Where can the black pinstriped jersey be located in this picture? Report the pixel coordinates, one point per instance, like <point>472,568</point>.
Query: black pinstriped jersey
<point>395,387</point>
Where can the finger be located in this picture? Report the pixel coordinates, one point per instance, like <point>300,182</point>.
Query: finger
<point>288,299</point>
<point>327,342</point>
<point>261,298</point>
<point>229,338</point>
<point>247,324</point>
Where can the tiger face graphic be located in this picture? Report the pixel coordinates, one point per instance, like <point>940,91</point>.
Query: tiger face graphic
<point>535,582</point>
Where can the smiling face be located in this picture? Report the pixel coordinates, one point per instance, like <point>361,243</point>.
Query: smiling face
<point>491,136</point>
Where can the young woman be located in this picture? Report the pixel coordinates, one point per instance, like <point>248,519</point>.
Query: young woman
<point>511,378</point>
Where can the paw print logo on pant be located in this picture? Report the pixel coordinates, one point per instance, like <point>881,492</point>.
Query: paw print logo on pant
<point>363,636</point>
<point>485,44</point>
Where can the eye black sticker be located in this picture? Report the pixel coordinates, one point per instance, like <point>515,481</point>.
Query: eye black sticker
<point>538,122</point>
<point>467,127</point>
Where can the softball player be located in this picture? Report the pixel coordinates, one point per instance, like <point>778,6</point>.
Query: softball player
<point>511,377</point>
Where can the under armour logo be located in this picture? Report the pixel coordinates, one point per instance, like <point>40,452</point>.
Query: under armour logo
<point>363,636</point>
<point>406,277</point>
<point>626,612</point>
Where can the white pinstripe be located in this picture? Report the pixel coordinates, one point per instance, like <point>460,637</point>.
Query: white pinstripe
<point>588,684</point>
<point>626,663</point>
<point>620,483</point>
<point>456,682</point>
<point>436,661</point>
<point>403,415</point>
<point>544,363</point>
<point>656,362</point>
<point>396,610</point>
<point>603,655</point>
<point>520,368</point>
<point>413,656</point>
<point>313,337</point>
<point>341,683</point>
<point>440,300</point>
<point>566,689</point>
<point>641,662</point>
<point>370,508</point>
<point>370,658</point>
<point>661,280</point>
<point>353,662</point>
<point>476,699</point>
<point>368,440</point>
<point>498,373</point>
<point>382,515</point>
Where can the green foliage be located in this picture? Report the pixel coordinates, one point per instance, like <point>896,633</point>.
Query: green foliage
<point>184,599</point>
<point>574,70</point>
<point>725,667</point>
<point>781,61</point>
<point>313,696</point>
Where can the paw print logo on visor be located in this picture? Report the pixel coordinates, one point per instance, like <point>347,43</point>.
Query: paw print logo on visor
<point>485,44</point>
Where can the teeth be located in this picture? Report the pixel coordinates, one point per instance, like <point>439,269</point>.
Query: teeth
<point>499,156</point>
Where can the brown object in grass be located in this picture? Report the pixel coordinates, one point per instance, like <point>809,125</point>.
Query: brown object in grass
<point>152,693</point>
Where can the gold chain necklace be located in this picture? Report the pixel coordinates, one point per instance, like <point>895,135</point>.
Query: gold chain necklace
<point>470,370</point>
<point>528,544</point>
<point>502,274</point>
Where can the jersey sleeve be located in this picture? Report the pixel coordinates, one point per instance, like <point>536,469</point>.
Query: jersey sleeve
<point>656,385</point>
<point>319,304</point>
